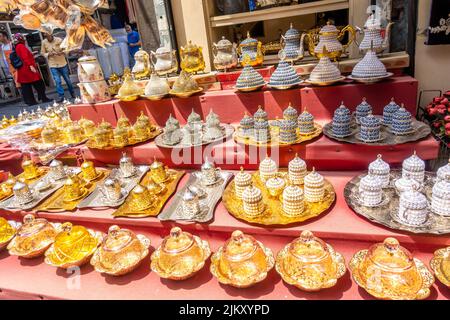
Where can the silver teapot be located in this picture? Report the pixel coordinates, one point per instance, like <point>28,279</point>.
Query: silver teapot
<point>164,61</point>
<point>225,55</point>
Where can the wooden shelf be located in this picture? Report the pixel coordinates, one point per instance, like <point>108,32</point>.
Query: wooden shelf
<point>279,12</point>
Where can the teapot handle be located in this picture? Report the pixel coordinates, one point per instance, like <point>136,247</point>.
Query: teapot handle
<point>153,58</point>
<point>282,41</point>
<point>352,33</point>
<point>214,49</point>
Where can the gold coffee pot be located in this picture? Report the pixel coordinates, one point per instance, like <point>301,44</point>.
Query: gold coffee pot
<point>192,60</point>
<point>329,37</point>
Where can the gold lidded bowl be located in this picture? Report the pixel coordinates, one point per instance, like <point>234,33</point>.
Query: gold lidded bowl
<point>74,189</point>
<point>8,230</point>
<point>310,264</point>
<point>33,238</point>
<point>180,255</point>
<point>389,271</point>
<point>89,172</point>
<point>30,169</point>
<point>141,198</point>
<point>242,261</point>
<point>120,252</point>
<point>440,264</point>
<point>73,246</point>
<point>158,172</point>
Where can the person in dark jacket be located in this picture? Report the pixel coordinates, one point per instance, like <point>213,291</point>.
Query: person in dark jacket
<point>28,74</point>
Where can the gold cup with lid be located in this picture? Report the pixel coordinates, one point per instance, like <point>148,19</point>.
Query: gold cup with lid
<point>33,238</point>
<point>158,171</point>
<point>389,271</point>
<point>141,131</point>
<point>88,127</point>
<point>49,135</point>
<point>30,169</point>
<point>8,230</point>
<point>6,188</point>
<point>74,134</point>
<point>141,198</point>
<point>73,188</point>
<point>180,256</point>
<point>310,264</point>
<point>88,171</point>
<point>242,261</point>
<point>101,138</point>
<point>121,137</point>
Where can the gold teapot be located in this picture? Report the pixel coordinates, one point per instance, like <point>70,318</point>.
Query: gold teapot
<point>192,60</point>
<point>73,246</point>
<point>120,252</point>
<point>164,61</point>
<point>253,49</point>
<point>225,55</point>
<point>180,255</point>
<point>310,264</point>
<point>389,271</point>
<point>142,68</point>
<point>329,37</point>
<point>33,238</point>
<point>242,261</point>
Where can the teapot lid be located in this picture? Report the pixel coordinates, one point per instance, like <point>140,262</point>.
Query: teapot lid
<point>117,239</point>
<point>163,50</point>
<point>249,40</point>
<point>329,28</point>
<point>177,241</point>
<point>156,164</point>
<point>87,59</point>
<point>309,248</point>
<point>240,247</point>
<point>292,32</point>
<point>31,226</point>
<point>390,256</point>
<point>224,43</point>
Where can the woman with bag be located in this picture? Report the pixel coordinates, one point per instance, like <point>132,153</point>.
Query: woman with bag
<point>27,72</point>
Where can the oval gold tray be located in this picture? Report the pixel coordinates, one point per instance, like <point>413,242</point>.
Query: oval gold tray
<point>381,215</point>
<point>275,140</point>
<point>132,141</point>
<point>272,215</point>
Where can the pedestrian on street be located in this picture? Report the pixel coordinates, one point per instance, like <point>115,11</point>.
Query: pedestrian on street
<point>27,72</point>
<point>51,49</point>
<point>134,42</point>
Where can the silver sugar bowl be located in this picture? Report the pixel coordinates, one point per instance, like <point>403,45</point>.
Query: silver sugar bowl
<point>112,189</point>
<point>209,173</point>
<point>126,166</point>
<point>22,193</point>
<point>191,205</point>
<point>57,170</point>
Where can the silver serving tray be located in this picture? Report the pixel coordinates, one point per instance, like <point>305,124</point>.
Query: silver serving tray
<point>97,200</point>
<point>208,202</point>
<point>436,224</point>
<point>227,131</point>
<point>39,196</point>
<point>421,130</point>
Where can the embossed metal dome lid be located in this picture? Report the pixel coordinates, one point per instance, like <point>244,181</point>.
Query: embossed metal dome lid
<point>242,178</point>
<point>224,43</point>
<point>442,189</point>
<point>208,165</point>
<point>194,117</point>
<point>292,193</point>
<point>371,182</point>
<point>329,28</point>
<point>171,121</point>
<point>369,66</point>
<point>117,239</point>
<point>413,199</point>
<point>275,183</point>
<point>314,178</point>
<point>288,125</point>
<point>260,114</point>
<point>156,164</point>
<point>402,114</point>
<point>390,256</point>
<point>247,121</point>
<point>290,112</point>
<point>406,183</point>
<point>342,111</point>
<point>252,194</point>
<point>212,116</point>
<point>414,163</point>
<point>32,226</point>
<point>306,116</point>
<point>240,247</point>
<point>268,164</point>
<point>123,122</point>
<point>262,124</point>
<point>443,173</point>
<point>249,40</point>
<point>292,33</point>
<point>392,107</point>
<point>308,248</point>
<point>105,125</point>
<point>379,166</point>
<point>370,121</point>
<point>177,242</point>
<point>364,106</point>
<point>297,164</point>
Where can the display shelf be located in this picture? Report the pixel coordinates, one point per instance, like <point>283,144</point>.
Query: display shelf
<point>279,12</point>
<point>341,227</point>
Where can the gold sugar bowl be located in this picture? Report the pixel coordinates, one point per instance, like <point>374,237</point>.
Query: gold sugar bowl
<point>73,246</point>
<point>74,189</point>
<point>8,230</point>
<point>180,256</point>
<point>141,131</point>
<point>121,135</point>
<point>142,199</point>
<point>89,173</point>
<point>74,134</point>
<point>101,138</point>
<point>49,135</point>
<point>33,238</point>
<point>88,127</point>
<point>30,170</point>
<point>388,271</point>
<point>310,264</point>
<point>242,261</point>
<point>123,122</point>
<point>440,264</point>
<point>120,252</point>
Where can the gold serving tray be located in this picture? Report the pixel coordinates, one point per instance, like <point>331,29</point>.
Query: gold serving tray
<point>423,293</point>
<point>250,89</point>
<point>324,83</point>
<point>275,140</point>
<point>131,142</point>
<point>128,98</point>
<point>436,266</point>
<point>56,202</point>
<point>171,185</point>
<point>272,215</point>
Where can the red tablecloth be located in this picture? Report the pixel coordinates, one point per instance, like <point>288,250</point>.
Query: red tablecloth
<point>341,227</point>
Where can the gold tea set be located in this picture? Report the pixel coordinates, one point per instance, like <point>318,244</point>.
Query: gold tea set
<point>105,137</point>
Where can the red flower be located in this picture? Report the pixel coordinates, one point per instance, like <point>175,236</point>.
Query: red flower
<point>441,106</point>
<point>437,99</point>
<point>432,111</point>
<point>436,124</point>
<point>447,126</point>
<point>447,118</point>
<point>442,111</point>
<point>445,101</point>
<point>447,133</point>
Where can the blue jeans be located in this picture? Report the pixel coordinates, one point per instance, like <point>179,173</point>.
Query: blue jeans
<point>57,73</point>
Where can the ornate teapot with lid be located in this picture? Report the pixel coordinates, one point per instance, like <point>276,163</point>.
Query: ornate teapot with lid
<point>329,37</point>
<point>164,61</point>
<point>253,49</point>
<point>192,60</point>
<point>373,35</point>
<point>292,44</point>
<point>225,55</point>
<point>142,68</point>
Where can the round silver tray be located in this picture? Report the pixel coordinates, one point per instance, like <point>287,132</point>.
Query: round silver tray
<point>227,130</point>
<point>370,80</point>
<point>382,214</point>
<point>421,130</point>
